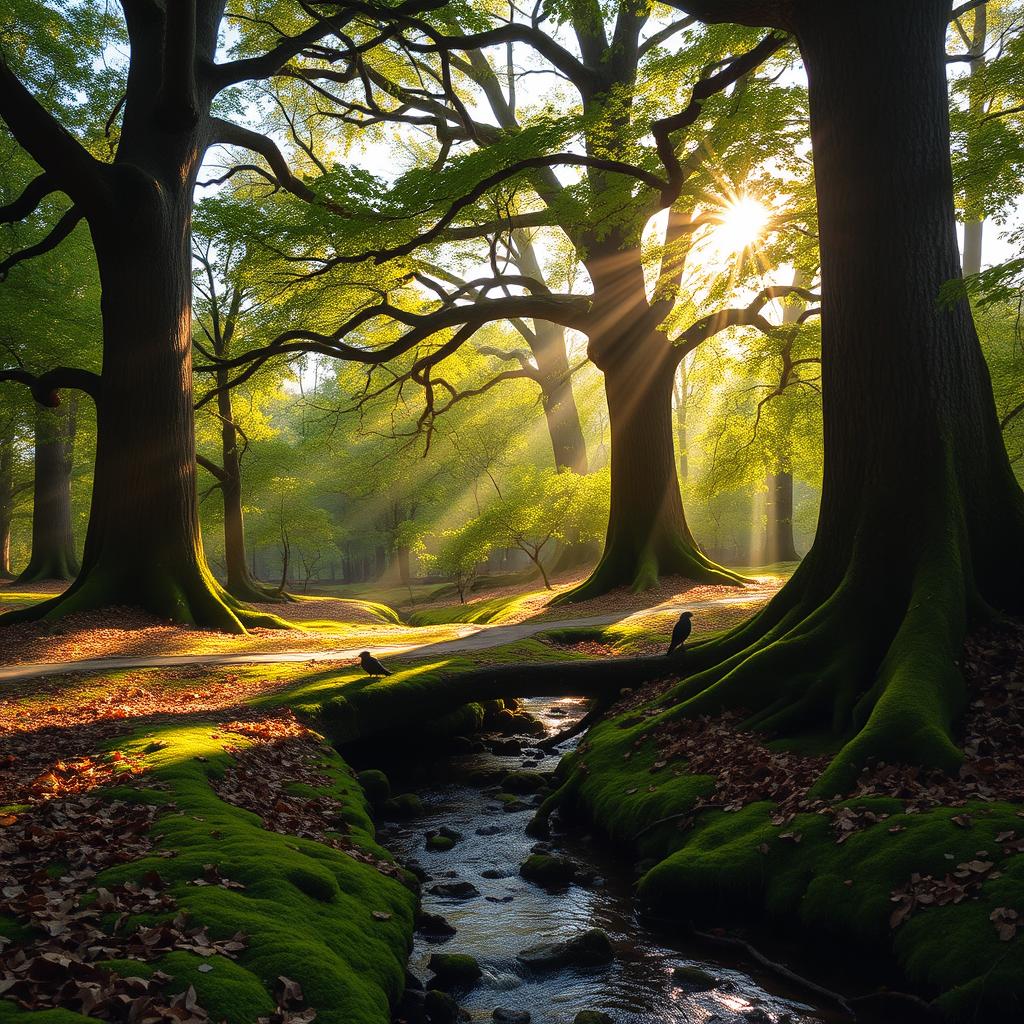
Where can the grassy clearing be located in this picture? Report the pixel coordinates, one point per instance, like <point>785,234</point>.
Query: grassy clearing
<point>494,611</point>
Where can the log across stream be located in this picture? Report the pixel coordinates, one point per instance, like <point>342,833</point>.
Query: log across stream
<point>652,978</point>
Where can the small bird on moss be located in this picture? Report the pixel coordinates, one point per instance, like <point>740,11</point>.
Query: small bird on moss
<point>371,666</point>
<point>680,632</point>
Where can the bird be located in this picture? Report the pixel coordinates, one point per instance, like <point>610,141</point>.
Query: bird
<point>371,666</point>
<point>680,632</point>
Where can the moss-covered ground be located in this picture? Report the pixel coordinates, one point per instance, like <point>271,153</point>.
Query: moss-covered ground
<point>800,870</point>
<point>307,908</point>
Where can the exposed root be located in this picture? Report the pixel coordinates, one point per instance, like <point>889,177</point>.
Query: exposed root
<point>188,595</point>
<point>641,571</point>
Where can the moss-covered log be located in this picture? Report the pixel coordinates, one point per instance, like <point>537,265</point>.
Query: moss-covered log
<point>388,704</point>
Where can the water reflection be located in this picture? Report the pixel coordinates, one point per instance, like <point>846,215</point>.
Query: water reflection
<point>510,914</point>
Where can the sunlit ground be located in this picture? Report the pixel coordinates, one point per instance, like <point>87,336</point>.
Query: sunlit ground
<point>326,624</point>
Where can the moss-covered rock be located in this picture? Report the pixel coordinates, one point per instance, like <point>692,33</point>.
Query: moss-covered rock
<point>403,807</point>
<point>695,979</point>
<point>454,969</point>
<point>441,1008</point>
<point>375,785</point>
<point>524,782</point>
<point>548,870</point>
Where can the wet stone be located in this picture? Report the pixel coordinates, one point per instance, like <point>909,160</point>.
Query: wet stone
<point>455,890</point>
<point>440,1007</point>
<point>433,924</point>
<point>454,969</point>
<point>504,1016</point>
<point>696,979</point>
<point>592,1017</point>
<point>589,949</point>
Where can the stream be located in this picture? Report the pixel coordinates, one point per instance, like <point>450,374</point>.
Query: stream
<point>511,914</point>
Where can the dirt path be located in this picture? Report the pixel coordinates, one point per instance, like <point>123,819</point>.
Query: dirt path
<point>471,638</point>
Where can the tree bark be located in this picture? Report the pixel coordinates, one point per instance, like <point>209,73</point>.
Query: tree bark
<point>53,554</point>
<point>548,347</point>
<point>240,581</point>
<point>647,536</point>
<point>974,214</point>
<point>921,528</point>
<point>779,543</point>
<point>6,507</point>
<point>143,546</point>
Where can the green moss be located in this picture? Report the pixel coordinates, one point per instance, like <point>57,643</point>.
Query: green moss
<point>730,862</point>
<point>376,785</point>
<point>306,909</point>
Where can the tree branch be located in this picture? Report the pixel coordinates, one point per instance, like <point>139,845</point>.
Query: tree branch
<point>35,192</point>
<point>235,135</point>
<point>60,231</point>
<point>484,186</point>
<point>47,141</point>
<point>45,386</point>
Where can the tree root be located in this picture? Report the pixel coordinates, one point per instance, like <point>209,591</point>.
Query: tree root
<point>641,571</point>
<point>187,595</point>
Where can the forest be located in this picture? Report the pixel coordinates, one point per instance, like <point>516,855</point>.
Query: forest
<point>511,512</point>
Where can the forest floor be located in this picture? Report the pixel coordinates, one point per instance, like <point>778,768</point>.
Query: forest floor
<point>342,626</point>
<point>204,802</point>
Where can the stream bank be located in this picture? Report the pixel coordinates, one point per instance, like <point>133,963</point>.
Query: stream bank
<point>467,847</point>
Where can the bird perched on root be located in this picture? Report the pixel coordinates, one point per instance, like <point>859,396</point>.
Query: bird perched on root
<point>371,666</point>
<point>680,632</point>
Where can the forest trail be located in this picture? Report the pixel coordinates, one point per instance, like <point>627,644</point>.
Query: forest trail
<point>470,638</point>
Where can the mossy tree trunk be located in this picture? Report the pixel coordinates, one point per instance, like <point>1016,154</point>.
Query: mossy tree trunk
<point>921,528</point>
<point>53,554</point>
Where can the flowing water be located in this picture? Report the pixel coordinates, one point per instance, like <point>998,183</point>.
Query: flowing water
<point>510,914</point>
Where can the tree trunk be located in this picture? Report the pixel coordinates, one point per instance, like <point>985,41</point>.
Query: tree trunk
<point>241,581</point>
<point>974,213</point>
<point>143,546</point>
<point>682,438</point>
<point>647,532</point>
<point>53,543</point>
<point>548,348</point>
<point>6,507</point>
<point>779,545</point>
<point>922,523</point>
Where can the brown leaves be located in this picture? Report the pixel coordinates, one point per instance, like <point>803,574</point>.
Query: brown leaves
<point>927,891</point>
<point>289,996</point>
<point>285,752</point>
<point>1007,922</point>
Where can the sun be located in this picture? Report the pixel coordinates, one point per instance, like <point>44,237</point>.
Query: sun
<point>743,222</point>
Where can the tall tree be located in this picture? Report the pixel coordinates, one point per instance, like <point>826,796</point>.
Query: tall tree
<point>143,544</point>
<point>623,181</point>
<point>917,489</point>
